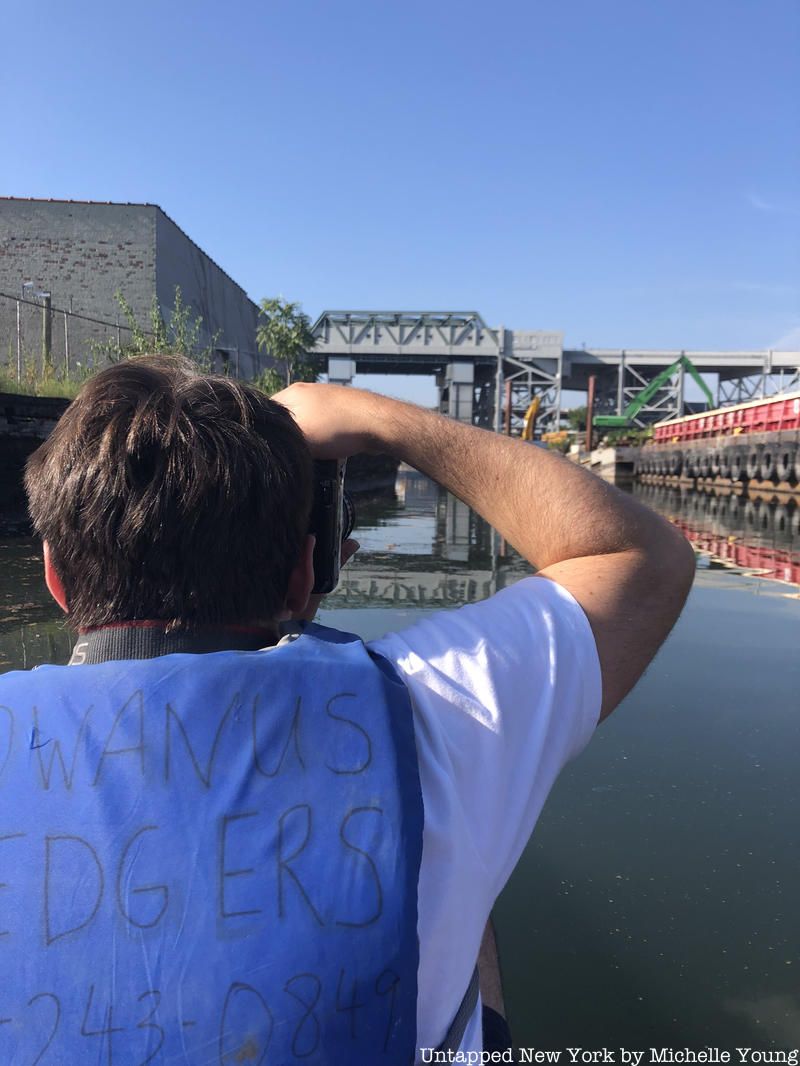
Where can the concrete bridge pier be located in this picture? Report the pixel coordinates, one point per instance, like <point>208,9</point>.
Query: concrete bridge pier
<point>341,370</point>
<point>457,390</point>
<point>456,384</point>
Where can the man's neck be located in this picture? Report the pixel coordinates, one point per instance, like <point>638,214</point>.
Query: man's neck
<point>150,640</point>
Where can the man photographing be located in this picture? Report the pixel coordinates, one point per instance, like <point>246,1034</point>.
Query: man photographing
<point>231,835</point>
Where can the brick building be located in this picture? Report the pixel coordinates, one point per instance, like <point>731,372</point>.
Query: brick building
<point>81,253</point>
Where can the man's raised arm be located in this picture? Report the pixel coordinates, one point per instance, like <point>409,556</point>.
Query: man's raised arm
<point>628,568</point>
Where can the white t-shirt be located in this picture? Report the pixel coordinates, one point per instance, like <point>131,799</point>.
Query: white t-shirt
<point>505,692</point>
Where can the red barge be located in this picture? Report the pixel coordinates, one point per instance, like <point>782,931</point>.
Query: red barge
<point>754,444</point>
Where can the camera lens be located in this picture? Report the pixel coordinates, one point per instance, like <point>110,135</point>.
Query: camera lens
<point>348,515</point>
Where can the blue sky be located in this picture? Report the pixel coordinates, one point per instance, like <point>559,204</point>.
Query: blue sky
<point>627,171</point>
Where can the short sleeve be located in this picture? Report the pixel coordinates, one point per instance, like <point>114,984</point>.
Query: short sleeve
<point>505,692</point>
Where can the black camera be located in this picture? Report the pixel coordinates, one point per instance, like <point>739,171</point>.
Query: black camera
<point>333,516</point>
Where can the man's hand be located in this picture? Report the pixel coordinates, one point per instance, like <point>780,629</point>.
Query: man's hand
<point>337,421</point>
<point>626,566</point>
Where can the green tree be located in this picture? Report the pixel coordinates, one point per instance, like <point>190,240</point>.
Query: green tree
<point>576,418</point>
<point>284,332</point>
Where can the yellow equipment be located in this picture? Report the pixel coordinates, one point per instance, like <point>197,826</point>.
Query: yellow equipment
<point>529,422</point>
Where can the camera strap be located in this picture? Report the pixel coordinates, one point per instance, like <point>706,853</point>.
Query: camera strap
<point>458,1026</point>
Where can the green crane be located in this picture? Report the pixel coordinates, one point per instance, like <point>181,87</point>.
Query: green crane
<point>636,404</point>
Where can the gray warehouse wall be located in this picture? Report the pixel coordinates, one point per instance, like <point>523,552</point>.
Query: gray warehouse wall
<point>80,253</point>
<point>83,253</point>
<point>224,306</point>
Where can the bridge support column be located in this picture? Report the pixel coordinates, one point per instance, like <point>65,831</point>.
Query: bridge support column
<point>498,381</point>
<point>341,370</point>
<point>621,384</point>
<point>459,381</point>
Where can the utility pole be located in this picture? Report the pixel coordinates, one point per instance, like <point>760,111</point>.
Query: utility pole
<point>66,346</point>
<point>47,333</point>
<point>19,345</point>
<point>590,410</point>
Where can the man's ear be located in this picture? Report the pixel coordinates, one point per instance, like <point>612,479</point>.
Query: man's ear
<point>301,579</point>
<point>53,581</point>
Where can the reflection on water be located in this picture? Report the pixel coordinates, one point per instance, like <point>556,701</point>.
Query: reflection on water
<point>423,521</point>
<point>657,903</point>
<point>752,535</point>
<point>426,549</point>
<point>31,626</point>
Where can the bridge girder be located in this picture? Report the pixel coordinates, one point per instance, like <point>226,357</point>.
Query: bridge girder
<point>520,364</point>
<point>437,333</point>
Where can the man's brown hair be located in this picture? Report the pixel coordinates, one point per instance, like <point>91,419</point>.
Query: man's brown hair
<point>164,493</point>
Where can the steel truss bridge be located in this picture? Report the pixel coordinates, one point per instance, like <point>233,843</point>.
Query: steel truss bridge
<point>489,376</point>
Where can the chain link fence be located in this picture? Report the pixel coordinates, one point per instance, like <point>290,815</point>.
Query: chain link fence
<point>41,343</point>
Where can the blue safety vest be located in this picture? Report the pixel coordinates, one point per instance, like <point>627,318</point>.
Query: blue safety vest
<point>210,859</point>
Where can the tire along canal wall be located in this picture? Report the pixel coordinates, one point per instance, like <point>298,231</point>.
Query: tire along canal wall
<point>750,448</point>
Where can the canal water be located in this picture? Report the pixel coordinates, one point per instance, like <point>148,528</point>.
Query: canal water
<point>657,904</point>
